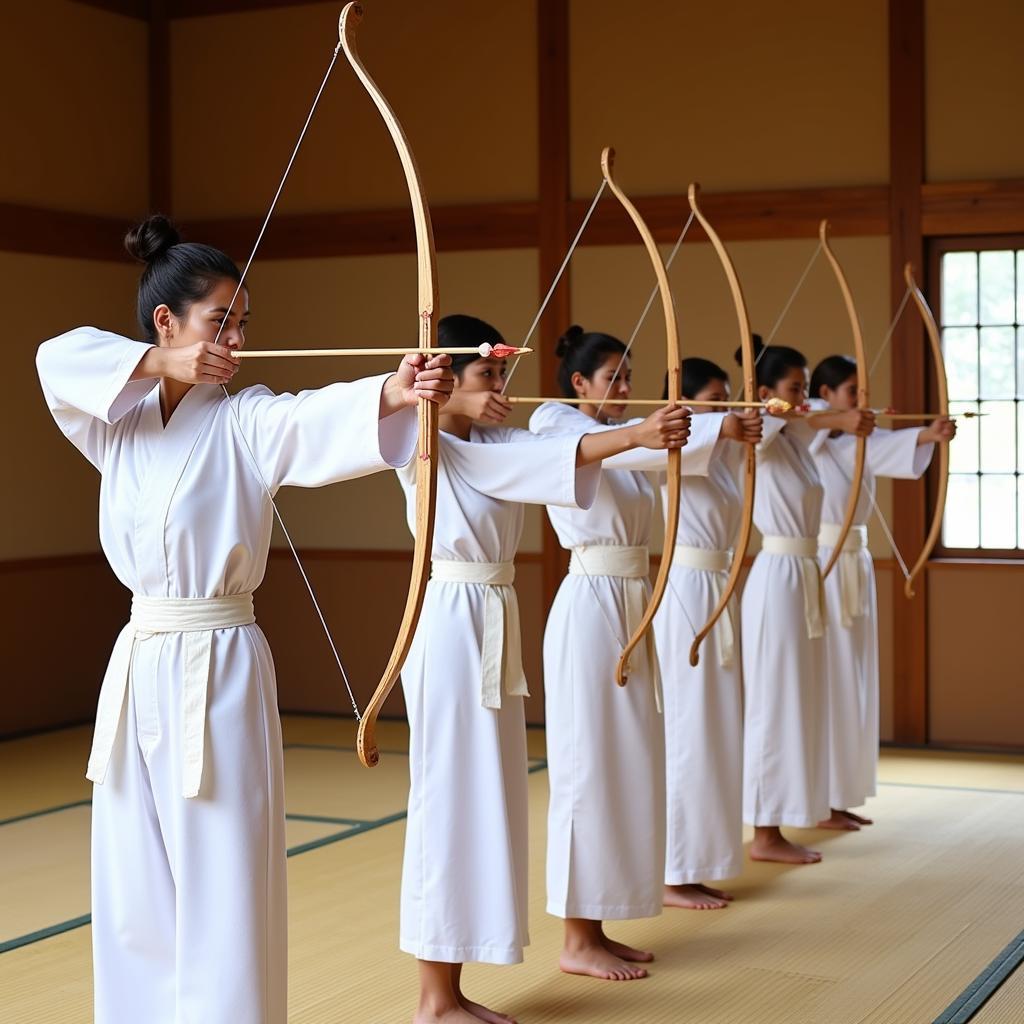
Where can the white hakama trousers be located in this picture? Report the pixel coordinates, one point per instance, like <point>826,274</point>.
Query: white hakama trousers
<point>851,645</point>
<point>606,758</point>
<point>464,875</point>
<point>189,895</point>
<point>785,749</point>
<point>703,727</point>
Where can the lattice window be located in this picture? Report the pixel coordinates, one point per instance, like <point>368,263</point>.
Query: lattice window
<point>980,313</point>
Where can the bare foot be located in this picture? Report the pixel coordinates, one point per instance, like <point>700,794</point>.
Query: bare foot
<point>840,822</point>
<point>630,954</point>
<point>693,897</point>
<point>718,893</point>
<point>598,962</point>
<point>857,818</point>
<point>450,1015</point>
<point>774,846</point>
<point>481,1012</point>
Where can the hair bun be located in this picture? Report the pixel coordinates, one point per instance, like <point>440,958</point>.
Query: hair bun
<point>568,340</point>
<point>148,241</point>
<point>759,347</point>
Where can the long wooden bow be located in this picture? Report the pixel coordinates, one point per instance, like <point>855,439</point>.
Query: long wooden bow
<point>674,396</point>
<point>942,393</point>
<point>749,395</point>
<point>426,464</point>
<point>863,397</point>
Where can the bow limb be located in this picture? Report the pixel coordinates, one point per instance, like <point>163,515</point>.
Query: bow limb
<point>749,395</point>
<point>932,330</point>
<point>674,396</point>
<point>863,398</point>
<point>426,463</point>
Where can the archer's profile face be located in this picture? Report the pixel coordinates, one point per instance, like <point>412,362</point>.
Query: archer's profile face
<point>609,386</point>
<point>482,375</point>
<point>792,387</point>
<point>713,391</point>
<point>843,397</point>
<point>203,318</point>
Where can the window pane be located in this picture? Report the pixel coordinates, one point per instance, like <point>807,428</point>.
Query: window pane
<point>1020,512</point>
<point>1020,362</point>
<point>960,353</point>
<point>1020,286</point>
<point>1020,437</point>
<point>998,437</point>
<point>960,288</point>
<point>997,287</point>
<point>960,521</point>
<point>998,511</point>
<point>963,449</point>
<point>998,371</point>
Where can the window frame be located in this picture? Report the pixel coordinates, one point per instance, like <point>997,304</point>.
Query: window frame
<point>937,248</point>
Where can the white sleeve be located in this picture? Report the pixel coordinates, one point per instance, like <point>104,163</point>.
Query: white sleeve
<point>697,453</point>
<point>85,376</point>
<point>320,437</point>
<point>772,428</point>
<point>896,453</point>
<point>525,468</point>
<point>821,437</point>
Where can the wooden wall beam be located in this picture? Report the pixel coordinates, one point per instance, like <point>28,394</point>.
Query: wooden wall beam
<point>972,208</point>
<point>130,8</point>
<point>909,368</point>
<point>553,230</point>
<point>779,213</point>
<point>31,229</point>
<point>204,8</point>
<point>510,225</point>
<point>955,208</point>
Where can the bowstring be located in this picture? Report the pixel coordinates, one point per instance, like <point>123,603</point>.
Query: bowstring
<point>646,310</point>
<point>554,283</point>
<point>889,333</point>
<point>231,405</point>
<point>789,302</point>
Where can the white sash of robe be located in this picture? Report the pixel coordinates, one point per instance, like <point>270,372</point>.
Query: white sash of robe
<point>632,565</point>
<point>717,564</point>
<point>196,618</point>
<point>501,654</point>
<point>853,581</point>
<point>805,549</point>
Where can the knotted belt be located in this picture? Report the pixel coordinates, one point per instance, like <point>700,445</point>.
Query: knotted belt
<point>194,617</point>
<point>632,566</point>
<point>716,563</point>
<point>501,656</point>
<point>853,576</point>
<point>806,550</point>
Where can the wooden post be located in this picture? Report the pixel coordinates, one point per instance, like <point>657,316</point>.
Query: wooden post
<point>554,233</point>
<point>909,365</point>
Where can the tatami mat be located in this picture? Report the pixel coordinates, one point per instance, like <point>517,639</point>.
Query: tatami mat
<point>890,928</point>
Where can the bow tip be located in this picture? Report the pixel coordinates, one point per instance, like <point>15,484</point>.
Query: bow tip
<point>692,191</point>
<point>908,275</point>
<point>694,654</point>
<point>352,13</point>
<point>607,160</point>
<point>823,231</point>
<point>370,758</point>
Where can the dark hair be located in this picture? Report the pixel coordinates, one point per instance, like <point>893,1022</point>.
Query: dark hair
<point>458,330</point>
<point>697,374</point>
<point>583,352</point>
<point>773,361</point>
<point>177,273</point>
<point>832,372</point>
